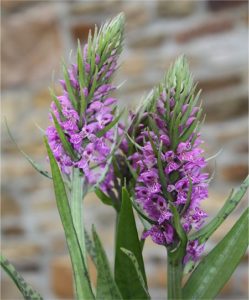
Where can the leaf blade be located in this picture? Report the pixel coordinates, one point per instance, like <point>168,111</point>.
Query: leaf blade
<point>233,200</point>
<point>27,291</point>
<point>133,259</point>
<point>109,126</point>
<point>69,87</point>
<point>66,145</point>
<point>106,286</point>
<point>217,267</point>
<point>83,287</point>
<point>103,197</point>
<point>34,164</point>
<point>127,237</point>
<point>90,248</point>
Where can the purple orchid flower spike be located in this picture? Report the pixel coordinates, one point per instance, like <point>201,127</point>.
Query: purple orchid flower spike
<point>86,113</point>
<point>167,153</point>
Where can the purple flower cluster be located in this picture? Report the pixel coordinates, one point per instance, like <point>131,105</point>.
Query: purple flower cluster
<point>185,183</point>
<point>82,128</point>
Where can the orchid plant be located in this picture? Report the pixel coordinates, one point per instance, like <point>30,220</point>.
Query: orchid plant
<point>152,164</point>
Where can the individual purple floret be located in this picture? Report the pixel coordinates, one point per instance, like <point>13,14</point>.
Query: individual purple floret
<point>194,251</point>
<point>184,183</point>
<point>85,108</point>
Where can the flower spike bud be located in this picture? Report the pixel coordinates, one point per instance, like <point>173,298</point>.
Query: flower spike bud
<point>171,182</point>
<point>84,118</point>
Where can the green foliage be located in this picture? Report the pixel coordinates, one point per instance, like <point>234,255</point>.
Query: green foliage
<point>104,42</point>
<point>216,268</point>
<point>106,287</point>
<point>111,37</point>
<point>69,87</point>
<point>27,291</point>
<point>127,237</point>
<point>103,197</point>
<point>109,126</point>
<point>76,203</point>
<point>90,248</point>
<point>177,252</point>
<point>133,259</point>
<point>81,278</point>
<point>34,164</point>
<point>129,280</point>
<point>57,103</point>
<point>233,200</point>
<point>66,145</point>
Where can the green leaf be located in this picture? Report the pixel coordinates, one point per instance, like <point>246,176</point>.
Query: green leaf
<point>57,103</point>
<point>80,66</point>
<point>217,267</point>
<point>233,200</point>
<point>69,87</point>
<point>66,145</point>
<point>127,237</point>
<point>176,253</point>
<point>81,72</point>
<point>133,259</point>
<point>106,286</point>
<point>162,177</point>
<point>103,197</point>
<point>177,224</point>
<point>193,101</point>
<point>141,213</point>
<point>81,278</point>
<point>90,248</point>
<point>93,86</point>
<point>137,146</point>
<point>186,205</point>
<point>133,172</point>
<point>175,131</point>
<point>109,159</point>
<point>27,291</point>
<point>109,126</point>
<point>153,126</point>
<point>192,128</point>
<point>76,203</point>
<point>34,164</point>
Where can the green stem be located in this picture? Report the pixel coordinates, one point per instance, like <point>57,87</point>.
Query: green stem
<point>174,270</point>
<point>77,209</point>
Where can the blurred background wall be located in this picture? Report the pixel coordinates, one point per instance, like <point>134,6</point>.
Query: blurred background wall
<point>35,35</point>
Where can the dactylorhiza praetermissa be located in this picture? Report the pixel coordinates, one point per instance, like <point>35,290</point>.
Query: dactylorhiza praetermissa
<point>169,159</point>
<point>155,164</point>
<point>85,109</point>
<point>173,135</point>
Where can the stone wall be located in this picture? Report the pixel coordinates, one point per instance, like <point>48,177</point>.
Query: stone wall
<point>35,35</point>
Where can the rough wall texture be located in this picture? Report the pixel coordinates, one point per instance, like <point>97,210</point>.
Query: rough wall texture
<point>35,35</point>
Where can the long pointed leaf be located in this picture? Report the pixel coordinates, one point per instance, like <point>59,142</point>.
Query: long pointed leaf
<point>82,282</point>
<point>57,103</point>
<point>80,66</point>
<point>90,248</point>
<point>77,208</point>
<point>103,197</point>
<point>106,286</point>
<point>233,200</point>
<point>34,164</point>
<point>127,237</point>
<point>109,126</point>
<point>133,259</point>
<point>66,145</point>
<point>162,177</point>
<point>69,87</point>
<point>27,291</point>
<point>217,267</point>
